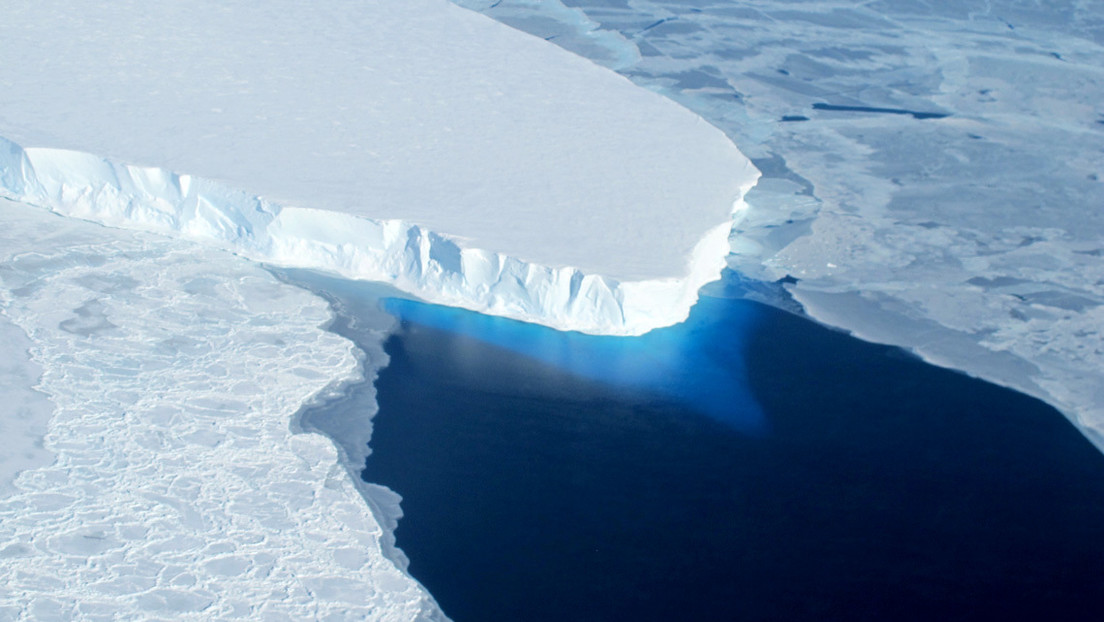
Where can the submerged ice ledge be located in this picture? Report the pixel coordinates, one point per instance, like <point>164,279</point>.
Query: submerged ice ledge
<point>431,266</point>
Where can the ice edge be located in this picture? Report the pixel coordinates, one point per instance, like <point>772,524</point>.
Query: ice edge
<point>429,265</point>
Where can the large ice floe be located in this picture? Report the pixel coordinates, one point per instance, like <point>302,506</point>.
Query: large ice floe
<point>413,142</point>
<point>933,172</point>
<point>175,487</point>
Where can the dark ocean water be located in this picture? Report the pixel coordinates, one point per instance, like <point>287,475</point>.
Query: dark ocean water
<point>747,465</point>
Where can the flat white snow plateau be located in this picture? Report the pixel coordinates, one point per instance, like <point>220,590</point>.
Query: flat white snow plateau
<point>413,142</point>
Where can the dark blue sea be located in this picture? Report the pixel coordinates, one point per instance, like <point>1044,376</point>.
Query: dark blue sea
<point>746,465</point>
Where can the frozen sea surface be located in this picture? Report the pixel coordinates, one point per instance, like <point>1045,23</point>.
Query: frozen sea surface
<point>170,483</point>
<point>933,171</point>
<point>24,411</point>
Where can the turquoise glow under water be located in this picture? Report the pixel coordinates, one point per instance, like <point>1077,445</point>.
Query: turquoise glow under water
<point>549,476</point>
<point>687,363</point>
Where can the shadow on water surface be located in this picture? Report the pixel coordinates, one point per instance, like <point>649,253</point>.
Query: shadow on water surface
<point>873,486</point>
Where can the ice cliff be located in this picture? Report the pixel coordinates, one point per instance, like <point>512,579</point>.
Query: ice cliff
<point>416,143</point>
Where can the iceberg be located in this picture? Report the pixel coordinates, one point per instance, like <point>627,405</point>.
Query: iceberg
<point>416,143</point>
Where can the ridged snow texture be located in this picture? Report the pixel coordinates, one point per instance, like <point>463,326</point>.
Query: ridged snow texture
<point>417,261</point>
<point>177,487</point>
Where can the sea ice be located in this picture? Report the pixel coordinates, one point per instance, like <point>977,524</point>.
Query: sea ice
<point>177,488</point>
<point>933,174</point>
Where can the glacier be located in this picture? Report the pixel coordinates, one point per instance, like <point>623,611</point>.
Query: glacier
<point>410,142</point>
<point>155,466</point>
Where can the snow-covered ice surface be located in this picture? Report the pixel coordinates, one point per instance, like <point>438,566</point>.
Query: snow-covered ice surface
<point>24,412</point>
<point>174,487</point>
<point>932,179</point>
<point>933,171</point>
<point>414,142</point>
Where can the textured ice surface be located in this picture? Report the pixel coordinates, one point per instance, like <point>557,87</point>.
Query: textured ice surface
<point>556,190</point>
<point>24,411</point>
<point>179,490</point>
<point>933,171</point>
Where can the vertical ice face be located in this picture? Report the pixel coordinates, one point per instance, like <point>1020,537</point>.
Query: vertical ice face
<point>177,487</point>
<point>569,27</point>
<point>24,410</point>
<point>476,165</point>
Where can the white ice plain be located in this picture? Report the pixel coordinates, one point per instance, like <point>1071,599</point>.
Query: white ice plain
<point>177,488</point>
<point>412,142</point>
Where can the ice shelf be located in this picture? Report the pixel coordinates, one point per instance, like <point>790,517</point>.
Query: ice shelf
<point>414,142</point>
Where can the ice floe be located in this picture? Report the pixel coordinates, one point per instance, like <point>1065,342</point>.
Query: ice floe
<point>933,172</point>
<point>176,487</point>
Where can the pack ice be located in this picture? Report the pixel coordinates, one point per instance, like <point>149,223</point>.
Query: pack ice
<point>150,471</point>
<point>412,142</point>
